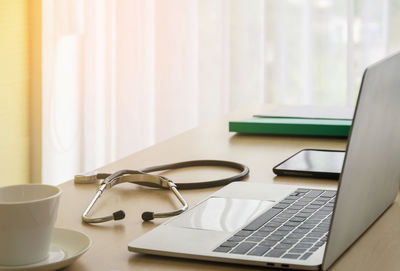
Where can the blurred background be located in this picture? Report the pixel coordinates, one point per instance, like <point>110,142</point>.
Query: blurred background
<point>86,82</point>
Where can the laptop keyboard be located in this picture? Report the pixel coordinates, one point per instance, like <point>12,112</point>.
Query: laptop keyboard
<point>293,229</point>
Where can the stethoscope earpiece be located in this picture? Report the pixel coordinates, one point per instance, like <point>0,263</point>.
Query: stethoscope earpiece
<point>119,215</point>
<point>147,216</point>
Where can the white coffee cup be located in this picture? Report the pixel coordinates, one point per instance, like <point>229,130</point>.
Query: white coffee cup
<point>27,216</point>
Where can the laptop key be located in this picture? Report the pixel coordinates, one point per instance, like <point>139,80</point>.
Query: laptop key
<point>317,217</point>
<point>320,229</point>
<point>315,234</point>
<point>306,200</point>
<point>295,207</point>
<point>328,194</point>
<point>300,203</point>
<point>308,211</point>
<point>314,193</point>
<point>280,206</point>
<point>325,224</point>
<point>314,206</point>
<point>243,233</point>
<point>297,250</point>
<point>306,256</point>
<point>268,243</point>
<point>278,220</point>
<point>317,203</point>
<point>287,216</point>
<point>222,249</point>
<point>309,240</point>
<point>261,220</point>
<point>322,212</point>
<point>297,219</point>
<point>291,224</point>
<point>283,246</point>
<point>303,245</point>
<point>267,229</point>
<point>295,236</point>
<point>327,209</point>
<point>291,256</point>
<point>236,239</point>
<point>306,226</point>
<point>254,239</point>
<point>274,238</point>
<point>314,248</point>
<point>303,231</point>
<point>304,215</point>
<point>324,201</point>
<point>312,221</point>
<point>289,241</point>
<point>273,224</point>
<point>259,251</point>
<point>280,233</point>
<point>229,244</point>
<point>286,227</point>
<point>242,248</point>
<point>290,211</point>
<point>319,244</point>
<point>275,253</point>
<point>302,190</point>
<point>287,201</point>
<point>261,233</point>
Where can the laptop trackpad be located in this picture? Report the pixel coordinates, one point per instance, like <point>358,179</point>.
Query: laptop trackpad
<point>222,214</point>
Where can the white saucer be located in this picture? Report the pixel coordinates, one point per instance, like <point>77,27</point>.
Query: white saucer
<point>66,246</point>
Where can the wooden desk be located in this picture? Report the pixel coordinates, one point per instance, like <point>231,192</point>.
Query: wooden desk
<point>379,248</point>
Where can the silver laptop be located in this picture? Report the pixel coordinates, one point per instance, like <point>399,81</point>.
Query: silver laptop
<point>299,227</point>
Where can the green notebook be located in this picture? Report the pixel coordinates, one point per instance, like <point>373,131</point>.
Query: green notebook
<point>304,120</point>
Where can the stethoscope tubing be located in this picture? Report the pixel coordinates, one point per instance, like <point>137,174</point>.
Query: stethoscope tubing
<point>244,171</point>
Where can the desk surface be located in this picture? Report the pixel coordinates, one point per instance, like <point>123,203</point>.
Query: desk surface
<point>378,248</point>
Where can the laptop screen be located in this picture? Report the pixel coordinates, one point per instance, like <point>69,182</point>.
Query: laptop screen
<point>370,178</point>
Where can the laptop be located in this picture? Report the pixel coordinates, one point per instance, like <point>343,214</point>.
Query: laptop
<point>284,226</point>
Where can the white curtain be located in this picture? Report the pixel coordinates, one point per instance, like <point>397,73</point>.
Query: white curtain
<point>120,75</point>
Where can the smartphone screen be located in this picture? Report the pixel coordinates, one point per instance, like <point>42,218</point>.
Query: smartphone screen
<point>312,163</point>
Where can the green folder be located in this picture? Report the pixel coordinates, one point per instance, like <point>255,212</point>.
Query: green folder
<point>299,120</point>
<point>292,126</point>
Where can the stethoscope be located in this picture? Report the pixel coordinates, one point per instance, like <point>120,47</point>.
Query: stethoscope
<point>144,178</point>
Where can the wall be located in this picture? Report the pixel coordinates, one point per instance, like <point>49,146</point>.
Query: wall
<point>15,83</point>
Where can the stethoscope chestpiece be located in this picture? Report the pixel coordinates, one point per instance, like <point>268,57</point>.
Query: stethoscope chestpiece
<point>137,177</point>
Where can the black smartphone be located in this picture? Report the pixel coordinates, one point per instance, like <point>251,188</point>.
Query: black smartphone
<point>312,163</point>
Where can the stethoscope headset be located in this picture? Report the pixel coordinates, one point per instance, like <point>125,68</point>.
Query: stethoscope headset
<point>145,178</point>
